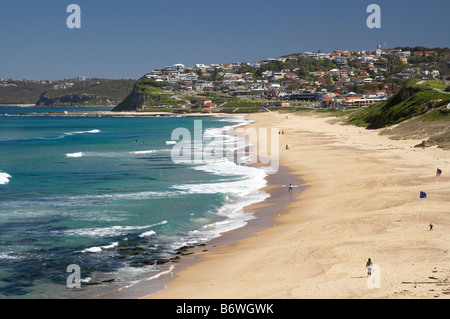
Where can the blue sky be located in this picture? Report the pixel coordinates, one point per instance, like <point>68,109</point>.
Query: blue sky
<point>126,39</point>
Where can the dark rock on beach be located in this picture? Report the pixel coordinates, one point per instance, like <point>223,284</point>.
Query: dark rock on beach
<point>162,261</point>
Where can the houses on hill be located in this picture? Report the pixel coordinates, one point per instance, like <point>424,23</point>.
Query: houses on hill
<point>331,80</point>
<point>205,104</point>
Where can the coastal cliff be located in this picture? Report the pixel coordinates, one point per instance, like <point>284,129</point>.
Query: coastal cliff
<point>148,93</point>
<point>72,100</point>
<point>92,92</point>
<point>131,102</point>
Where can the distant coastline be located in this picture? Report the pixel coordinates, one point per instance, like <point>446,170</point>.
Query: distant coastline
<point>124,114</point>
<point>20,104</point>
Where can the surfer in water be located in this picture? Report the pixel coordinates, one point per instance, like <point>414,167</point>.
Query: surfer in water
<point>290,187</point>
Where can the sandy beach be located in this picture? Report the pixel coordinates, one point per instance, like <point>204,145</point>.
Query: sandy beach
<point>361,201</point>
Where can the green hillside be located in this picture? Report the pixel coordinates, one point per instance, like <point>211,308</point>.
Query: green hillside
<point>419,113</point>
<point>101,92</point>
<point>149,93</point>
<point>22,92</point>
<point>65,92</point>
<point>407,103</point>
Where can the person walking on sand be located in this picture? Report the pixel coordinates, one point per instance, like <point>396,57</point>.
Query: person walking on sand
<point>369,267</point>
<point>431,226</point>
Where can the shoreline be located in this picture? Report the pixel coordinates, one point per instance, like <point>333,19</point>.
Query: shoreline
<point>360,202</point>
<point>24,105</point>
<point>264,219</point>
<point>264,213</point>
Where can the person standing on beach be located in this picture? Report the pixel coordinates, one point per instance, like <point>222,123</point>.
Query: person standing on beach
<point>369,267</point>
<point>431,226</point>
<point>290,187</point>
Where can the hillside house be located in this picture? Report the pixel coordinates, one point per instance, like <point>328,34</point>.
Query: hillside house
<point>291,75</point>
<point>328,102</point>
<point>357,101</point>
<point>204,104</point>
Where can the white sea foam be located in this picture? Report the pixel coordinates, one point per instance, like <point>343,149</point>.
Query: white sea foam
<point>77,154</point>
<point>95,154</point>
<point>239,120</point>
<point>112,245</point>
<point>171,142</point>
<point>83,132</point>
<point>240,188</point>
<point>225,167</point>
<point>94,131</point>
<point>143,152</point>
<point>234,218</point>
<point>98,249</point>
<point>92,250</point>
<point>93,200</point>
<point>109,154</point>
<point>168,271</point>
<point>4,178</point>
<point>107,231</point>
<point>241,183</point>
<point>242,179</point>
<point>8,256</point>
<point>105,198</point>
<point>233,144</point>
<point>147,233</point>
<point>130,272</point>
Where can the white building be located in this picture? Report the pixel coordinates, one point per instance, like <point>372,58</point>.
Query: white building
<point>188,77</point>
<point>254,64</point>
<point>179,67</point>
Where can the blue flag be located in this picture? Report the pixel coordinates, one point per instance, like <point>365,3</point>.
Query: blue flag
<point>423,195</point>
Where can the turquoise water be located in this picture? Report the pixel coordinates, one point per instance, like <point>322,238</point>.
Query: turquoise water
<point>104,193</point>
<point>20,110</point>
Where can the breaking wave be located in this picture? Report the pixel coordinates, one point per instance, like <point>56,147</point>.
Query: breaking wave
<point>4,178</point>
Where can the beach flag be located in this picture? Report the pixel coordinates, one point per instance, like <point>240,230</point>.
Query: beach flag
<point>438,173</point>
<point>422,195</point>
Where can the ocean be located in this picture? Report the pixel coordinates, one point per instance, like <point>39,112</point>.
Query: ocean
<point>104,194</point>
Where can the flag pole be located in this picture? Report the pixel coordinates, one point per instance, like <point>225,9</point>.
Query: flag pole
<point>418,205</point>
<point>422,195</point>
<point>438,173</point>
<point>422,207</point>
<point>436,184</point>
